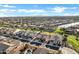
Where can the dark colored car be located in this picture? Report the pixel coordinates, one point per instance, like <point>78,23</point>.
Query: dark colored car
<point>52,45</point>
<point>37,41</point>
<point>26,40</point>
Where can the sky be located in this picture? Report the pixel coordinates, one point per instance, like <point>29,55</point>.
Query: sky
<point>39,10</point>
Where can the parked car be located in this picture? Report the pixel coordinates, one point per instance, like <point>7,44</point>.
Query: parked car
<point>52,45</point>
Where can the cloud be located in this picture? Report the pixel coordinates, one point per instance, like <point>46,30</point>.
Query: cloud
<point>3,15</point>
<point>7,6</point>
<point>6,10</point>
<point>73,8</point>
<point>71,14</point>
<point>31,10</point>
<point>58,9</point>
<point>10,12</point>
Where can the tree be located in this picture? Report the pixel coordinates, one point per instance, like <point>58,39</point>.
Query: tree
<point>59,30</point>
<point>71,39</point>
